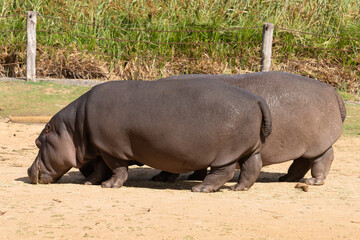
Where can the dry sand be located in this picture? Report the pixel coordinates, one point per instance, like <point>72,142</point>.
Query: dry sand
<point>147,210</point>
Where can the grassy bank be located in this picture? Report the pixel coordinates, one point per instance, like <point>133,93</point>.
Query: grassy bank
<point>35,99</point>
<point>139,39</point>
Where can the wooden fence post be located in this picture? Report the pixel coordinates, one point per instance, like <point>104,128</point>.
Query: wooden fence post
<point>31,46</point>
<point>267,36</point>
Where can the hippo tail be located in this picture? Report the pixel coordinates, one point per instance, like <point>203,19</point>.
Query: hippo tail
<point>266,126</point>
<point>341,105</point>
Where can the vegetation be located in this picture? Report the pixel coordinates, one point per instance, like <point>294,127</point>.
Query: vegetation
<point>352,121</point>
<point>41,98</point>
<point>139,39</point>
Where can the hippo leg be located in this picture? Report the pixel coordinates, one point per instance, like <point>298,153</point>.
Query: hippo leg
<point>164,176</point>
<point>88,168</point>
<point>320,168</point>
<point>198,174</point>
<point>217,177</point>
<point>297,170</point>
<point>119,170</point>
<point>250,171</point>
<point>100,172</point>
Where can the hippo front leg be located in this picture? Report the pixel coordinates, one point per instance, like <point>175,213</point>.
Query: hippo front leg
<point>250,171</point>
<point>119,170</point>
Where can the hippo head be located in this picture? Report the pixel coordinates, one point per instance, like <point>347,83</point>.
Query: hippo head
<point>57,152</point>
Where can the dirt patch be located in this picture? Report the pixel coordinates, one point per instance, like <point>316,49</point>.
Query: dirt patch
<point>147,210</point>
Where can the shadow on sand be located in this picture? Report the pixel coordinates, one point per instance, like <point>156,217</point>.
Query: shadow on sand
<point>140,177</point>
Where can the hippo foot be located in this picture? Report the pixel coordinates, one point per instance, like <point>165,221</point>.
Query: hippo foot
<point>203,188</point>
<point>315,181</point>
<point>112,183</point>
<point>239,187</point>
<point>165,177</point>
<point>198,175</point>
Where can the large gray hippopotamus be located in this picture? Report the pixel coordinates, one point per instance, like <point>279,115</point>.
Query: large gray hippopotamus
<point>307,118</point>
<point>175,126</point>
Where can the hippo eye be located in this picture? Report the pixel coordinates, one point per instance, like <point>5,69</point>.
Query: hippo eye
<point>47,128</point>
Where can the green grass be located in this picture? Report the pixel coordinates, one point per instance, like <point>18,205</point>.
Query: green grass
<point>33,99</point>
<point>352,121</point>
<point>325,17</point>
<point>349,97</point>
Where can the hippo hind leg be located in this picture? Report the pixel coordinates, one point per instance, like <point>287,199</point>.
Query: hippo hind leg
<point>297,170</point>
<point>217,177</point>
<point>321,167</point>
<point>250,170</point>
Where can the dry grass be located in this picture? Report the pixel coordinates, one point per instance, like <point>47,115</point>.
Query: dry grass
<point>78,65</point>
<point>332,73</point>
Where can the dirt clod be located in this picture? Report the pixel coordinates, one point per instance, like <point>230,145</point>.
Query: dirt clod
<point>302,186</point>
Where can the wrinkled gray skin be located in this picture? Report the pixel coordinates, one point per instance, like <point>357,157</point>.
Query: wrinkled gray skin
<point>175,126</point>
<point>307,118</point>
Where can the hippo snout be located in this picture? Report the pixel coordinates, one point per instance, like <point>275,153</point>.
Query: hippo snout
<point>39,174</point>
<point>33,171</point>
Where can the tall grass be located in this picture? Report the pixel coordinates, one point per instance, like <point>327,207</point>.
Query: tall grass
<point>322,17</point>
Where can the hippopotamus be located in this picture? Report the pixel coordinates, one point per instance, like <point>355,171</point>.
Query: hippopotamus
<point>175,126</point>
<point>307,119</point>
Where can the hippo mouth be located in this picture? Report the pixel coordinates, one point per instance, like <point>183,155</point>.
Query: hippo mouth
<point>37,175</point>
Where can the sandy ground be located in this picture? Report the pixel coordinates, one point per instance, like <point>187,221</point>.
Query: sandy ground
<point>147,210</point>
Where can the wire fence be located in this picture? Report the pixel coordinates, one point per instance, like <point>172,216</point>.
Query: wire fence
<point>317,35</point>
<point>235,50</point>
<point>147,42</point>
<point>150,30</point>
